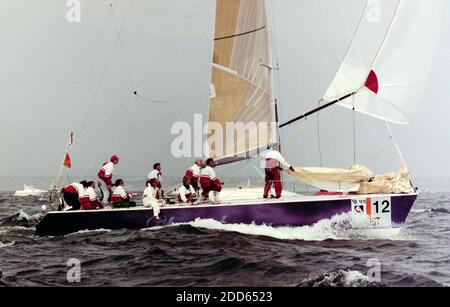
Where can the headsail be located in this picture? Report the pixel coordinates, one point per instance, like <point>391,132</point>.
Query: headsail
<point>242,86</point>
<point>389,60</point>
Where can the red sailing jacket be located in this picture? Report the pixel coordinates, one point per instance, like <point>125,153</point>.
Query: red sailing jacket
<point>105,173</point>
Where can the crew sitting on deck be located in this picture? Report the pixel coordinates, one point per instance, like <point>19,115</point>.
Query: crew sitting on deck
<point>186,193</point>
<point>210,182</point>
<point>71,195</point>
<point>89,200</point>
<point>274,163</point>
<point>155,174</point>
<point>120,198</point>
<point>105,174</point>
<point>194,174</point>
<point>152,198</point>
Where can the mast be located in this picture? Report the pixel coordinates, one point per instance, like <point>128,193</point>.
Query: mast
<point>273,97</point>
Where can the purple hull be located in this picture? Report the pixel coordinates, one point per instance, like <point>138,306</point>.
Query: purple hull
<point>287,213</point>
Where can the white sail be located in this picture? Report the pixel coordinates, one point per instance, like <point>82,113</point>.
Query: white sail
<point>241,89</point>
<point>388,62</point>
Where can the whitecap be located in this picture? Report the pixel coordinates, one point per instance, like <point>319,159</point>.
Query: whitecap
<point>2,245</point>
<point>341,227</point>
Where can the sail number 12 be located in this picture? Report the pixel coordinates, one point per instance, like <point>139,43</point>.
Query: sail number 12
<point>378,210</point>
<point>384,206</point>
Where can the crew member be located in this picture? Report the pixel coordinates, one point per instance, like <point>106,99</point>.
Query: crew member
<point>151,198</point>
<point>186,193</point>
<point>89,200</point>
<point>155,174</point>
<point>120,198</point>
<point>210,182</point>
<point>106,174</point>
<point>194,174</point>
<point>275,162</point>
<point>71,195</point>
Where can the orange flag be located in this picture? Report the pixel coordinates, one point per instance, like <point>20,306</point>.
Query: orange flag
<point>67,161</point>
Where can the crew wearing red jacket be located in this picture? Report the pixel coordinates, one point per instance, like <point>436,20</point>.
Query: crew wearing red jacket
<point>89,200</point>
<point>275,162</point>
<point>193,173</point>
<point>71,195</point>
<point>209,180</point>
<point>120,198</point>
<point>106,174</point>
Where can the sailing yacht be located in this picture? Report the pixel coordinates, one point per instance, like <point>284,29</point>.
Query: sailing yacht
<point>383,75</point>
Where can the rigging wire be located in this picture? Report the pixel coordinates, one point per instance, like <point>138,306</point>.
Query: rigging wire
<point>63,171</point>
<point>97,48</point>
<point>122,48</point>
<point>319,47</point>
<point>99,84</point>
<point>251,161</point>
<point>129,73</point>
<point>159,61</point>
<point>354,130</point>
<point>136,94</point>
<point>109,119</point>
<point>352,35</point>
<point>319,141</point>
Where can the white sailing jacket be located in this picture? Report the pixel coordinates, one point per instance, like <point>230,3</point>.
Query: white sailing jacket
<point>155,174</point>
<point>184,193</point>
<point>89,194</point>
<point>194,172</point>
<point>149,197</point>
<point>208,172</point>
<point>275,159</point>
<point>119,195</point>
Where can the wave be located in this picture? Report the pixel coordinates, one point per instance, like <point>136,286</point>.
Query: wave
<point>440,210</point>
<point>20,218</point>
<point>432,210</point>
<point>82,232</point>
<point>420,210</point>
<point>341,227</point>
<point>341,279</point>
<point>2,245</point>
<point>16,230</point>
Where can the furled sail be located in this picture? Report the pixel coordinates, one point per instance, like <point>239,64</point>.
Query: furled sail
<point>331,179</point>
<point>388,62</point>
<point>357,179</point>
<point>242,108</point>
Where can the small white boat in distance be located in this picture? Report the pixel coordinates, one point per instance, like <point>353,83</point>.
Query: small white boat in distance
<point>29,191</point>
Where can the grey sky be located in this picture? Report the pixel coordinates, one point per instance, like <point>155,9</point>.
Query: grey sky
<point>51,70</point>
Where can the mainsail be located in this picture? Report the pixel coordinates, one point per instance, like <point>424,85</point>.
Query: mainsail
<point>242,113</point>
<point>389,60</point>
